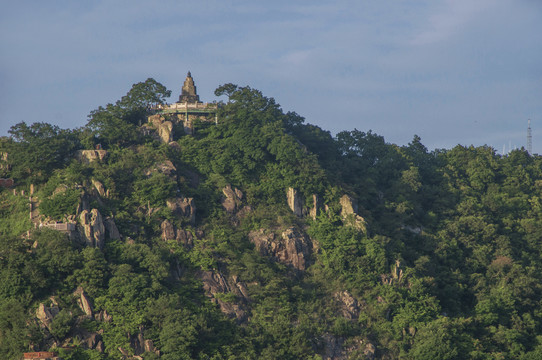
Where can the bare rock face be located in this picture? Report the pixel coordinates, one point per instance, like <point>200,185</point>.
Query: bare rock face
<point>349,205</point>
<point>170,232</point>
<point>165,131</point>
<point>293,248</point>
<point>163,127</point>
<point>88,156</point>
<point>295,202</point>
<point>335,348</point>
<point>83,301</point>
<point>156,120</point>
<point>103,316</point>
<point>167,168</point>
<point>99,187</point>
<point>111,228</point>
<point>185,237</point>
<point>233,199</point>
<point>217,287</point>
<point>93,228</point>
<point>316,206</point>
<point>349,305</point>
<point>141,345</point>
<point>184,207</point>
<point>369,351</point>
<point>46,314</point>
<point>349,213</point>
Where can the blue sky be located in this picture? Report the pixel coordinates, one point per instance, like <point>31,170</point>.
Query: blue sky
<point>453,72</point>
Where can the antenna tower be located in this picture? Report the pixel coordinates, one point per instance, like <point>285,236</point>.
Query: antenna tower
<point>529,138</point>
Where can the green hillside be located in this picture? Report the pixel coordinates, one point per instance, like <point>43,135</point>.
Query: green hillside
<point>262,237</point>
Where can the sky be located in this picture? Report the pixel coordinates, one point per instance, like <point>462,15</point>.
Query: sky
<point>453,72</point>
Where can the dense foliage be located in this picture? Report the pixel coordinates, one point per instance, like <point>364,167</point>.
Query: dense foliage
<point>447,265</point>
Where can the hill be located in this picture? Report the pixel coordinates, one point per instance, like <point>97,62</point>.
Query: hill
<point>258,236</point>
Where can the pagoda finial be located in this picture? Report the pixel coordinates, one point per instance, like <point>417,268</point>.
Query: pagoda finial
<point>189,75</point>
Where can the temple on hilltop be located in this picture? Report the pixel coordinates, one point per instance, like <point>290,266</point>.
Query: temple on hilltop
<point>188,109</point>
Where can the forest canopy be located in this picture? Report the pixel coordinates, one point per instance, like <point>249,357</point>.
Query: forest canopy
<point>262,236</point>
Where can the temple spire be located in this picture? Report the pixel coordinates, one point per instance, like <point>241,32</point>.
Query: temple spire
<point>188,94</point>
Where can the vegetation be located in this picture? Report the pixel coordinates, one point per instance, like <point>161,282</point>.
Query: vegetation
<point>447,264</point>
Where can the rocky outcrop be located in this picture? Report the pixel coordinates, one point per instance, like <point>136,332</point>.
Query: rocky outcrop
<point>295,202</point>
<point>83,301</point>
<point>395,277</point>
<point>142,345</point>
<point>93,228</point>
<point>88,156</point>
<point>167,168</point>
<point>103,316</point>
<point>99,188</point>
<point>336,348</point>
<point>165,131</point>
<point>170,232</point>
<point>232,200</point>
<point>163,127</point>
<point>46,314</point>
<point>292,248</point>
<point>349,306</point>
<point>316,206</point>
<point>231,296</point>
<point>349,209</point>
<point>297,205</point>
<point>111,229</point>
<point>185,237</point>
<point>184,207</point>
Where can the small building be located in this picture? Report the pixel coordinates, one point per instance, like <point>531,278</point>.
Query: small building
<point>41,355</point>
<point>189,108</point>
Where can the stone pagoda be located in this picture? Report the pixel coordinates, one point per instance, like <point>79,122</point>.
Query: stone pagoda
<point>188,92</point>
<point>187,110</point>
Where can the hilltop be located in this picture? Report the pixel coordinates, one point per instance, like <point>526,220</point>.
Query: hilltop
<point>235,230</point>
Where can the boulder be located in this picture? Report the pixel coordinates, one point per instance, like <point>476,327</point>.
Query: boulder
<point>88,156</point>
<point>369,351</point>
<point>295,202</point>
<point>185,237</point>
<point>165,131</point>
<point>99,187</point>
<point>163,127</point>
<point>233,199</point>
<point>184,207</point>
<point>348,304</point>
<point>316,206</point>
<point>216,286</point>
<point>336,348</point>
<point>156,120</point>
<point>167,168</point>
<point>293,248</point>
<point>103,316</point>
<point>93,228</point>
<point>168,230</point>
<point>83,301</point>
<point>46,314</point>
<point>349,209</point>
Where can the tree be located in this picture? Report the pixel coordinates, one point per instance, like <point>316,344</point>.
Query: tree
<point>116,124</point>
<point>37,149</point>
